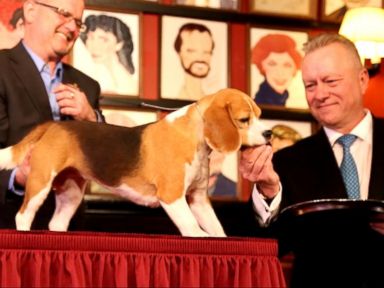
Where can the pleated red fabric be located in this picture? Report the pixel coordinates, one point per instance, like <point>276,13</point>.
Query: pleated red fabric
<point>76,259</point>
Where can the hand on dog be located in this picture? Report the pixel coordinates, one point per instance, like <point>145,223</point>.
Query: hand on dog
<point>73,102</point>
<point>256,166</point>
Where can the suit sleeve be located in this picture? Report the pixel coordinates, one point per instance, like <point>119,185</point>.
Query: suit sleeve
<point>4,123</point>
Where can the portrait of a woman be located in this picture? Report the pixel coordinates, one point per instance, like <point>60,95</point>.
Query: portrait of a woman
<point>275,60</point>
<point>11,23</point>
<point>106,54</point>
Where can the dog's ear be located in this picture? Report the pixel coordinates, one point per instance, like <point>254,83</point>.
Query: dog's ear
<point>219,130</point>
<point>256,109</point>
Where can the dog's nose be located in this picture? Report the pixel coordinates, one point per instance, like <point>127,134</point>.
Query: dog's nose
<point>267,134</point>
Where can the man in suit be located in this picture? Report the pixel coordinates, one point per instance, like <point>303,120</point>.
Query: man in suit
<point>335,82</point>
<point>36,86</point>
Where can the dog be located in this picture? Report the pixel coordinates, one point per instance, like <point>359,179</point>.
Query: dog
<point>162,163</point>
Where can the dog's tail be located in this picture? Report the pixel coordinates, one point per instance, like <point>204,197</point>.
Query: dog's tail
<point>13,156</point>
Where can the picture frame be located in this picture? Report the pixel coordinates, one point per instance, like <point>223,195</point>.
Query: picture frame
<point>209,70</point>
<point>224,178</point>
<point>11,23</point>
<point>287,132</point>
<point>216,4</point>
<point>275,57</point>
<point>129,117</point>
<point>333,11</point>
<point>111,58</point>
<point>306,9</point>
<point>126,118</point>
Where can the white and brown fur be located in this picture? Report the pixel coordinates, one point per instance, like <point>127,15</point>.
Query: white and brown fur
<point>163,163</point>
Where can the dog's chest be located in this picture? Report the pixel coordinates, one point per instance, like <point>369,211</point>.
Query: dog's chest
<point>198,170</point>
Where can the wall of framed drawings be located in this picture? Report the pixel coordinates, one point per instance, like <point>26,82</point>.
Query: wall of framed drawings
<point>235,27</point>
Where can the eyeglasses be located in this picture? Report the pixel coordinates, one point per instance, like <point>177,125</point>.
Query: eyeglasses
<point>64,14</point>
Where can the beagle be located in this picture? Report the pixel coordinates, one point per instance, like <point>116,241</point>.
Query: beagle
<point>162,163</point>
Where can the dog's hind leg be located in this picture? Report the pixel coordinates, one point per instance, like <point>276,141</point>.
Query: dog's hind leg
<point>68,198</point>
<point>182,217</point>
<point>38,187</point>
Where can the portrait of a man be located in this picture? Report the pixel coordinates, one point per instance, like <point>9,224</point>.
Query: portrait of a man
<point>194,58</point>
<point>275,60</point>
<point>11,23</point>
<point>108,51</point>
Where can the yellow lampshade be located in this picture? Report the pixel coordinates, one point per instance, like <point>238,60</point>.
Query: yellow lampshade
<point>365,27</point>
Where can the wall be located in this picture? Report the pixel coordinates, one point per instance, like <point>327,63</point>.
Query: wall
<point>374,97</point>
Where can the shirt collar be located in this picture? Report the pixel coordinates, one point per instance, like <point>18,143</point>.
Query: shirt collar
<point>363,130</point>
<point>41,65</point>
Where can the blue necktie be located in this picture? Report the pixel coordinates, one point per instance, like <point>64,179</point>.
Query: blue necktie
<point>348,167</point>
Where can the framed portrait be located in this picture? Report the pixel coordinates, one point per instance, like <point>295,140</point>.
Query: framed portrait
<point>287,132</point>
<point>224,179</point>
<point>287,8</point>
<point>274,64</point>
<point>218,4</point>
<point>129,118</point>
<point>108,50</point>
<point>334,10</point>
<point>11,23</point>
<point>194,57</point>
<point>126,118</point>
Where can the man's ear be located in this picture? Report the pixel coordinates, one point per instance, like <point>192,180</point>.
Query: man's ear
<point>29,11</point>
<point>364,79</point>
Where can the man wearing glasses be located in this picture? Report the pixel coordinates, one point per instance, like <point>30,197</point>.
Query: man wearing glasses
<point>36,86</point>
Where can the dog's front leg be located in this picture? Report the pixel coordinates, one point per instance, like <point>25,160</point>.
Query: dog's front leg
<point>183,218</point>
<point>202,209</point>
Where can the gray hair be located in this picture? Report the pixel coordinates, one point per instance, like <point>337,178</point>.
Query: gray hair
<point>326,39</point>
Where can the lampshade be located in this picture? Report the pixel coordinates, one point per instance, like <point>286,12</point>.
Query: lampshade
<point>365,27</point>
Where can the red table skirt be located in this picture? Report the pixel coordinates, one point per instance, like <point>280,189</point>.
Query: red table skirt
<point>76,259</point>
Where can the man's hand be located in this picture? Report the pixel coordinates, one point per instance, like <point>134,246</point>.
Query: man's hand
<point>73,102</point>
<point>256,166</point>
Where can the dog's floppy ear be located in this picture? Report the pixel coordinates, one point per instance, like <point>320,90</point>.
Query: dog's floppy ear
<point>219,129</point>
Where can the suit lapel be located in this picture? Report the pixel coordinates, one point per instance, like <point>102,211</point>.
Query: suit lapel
<point>330,183</point>
<point>376,183</point>
<point>29,76</point>
<point>68,78</point>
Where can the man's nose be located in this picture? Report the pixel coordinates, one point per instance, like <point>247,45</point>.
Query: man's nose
<point>322,91</point>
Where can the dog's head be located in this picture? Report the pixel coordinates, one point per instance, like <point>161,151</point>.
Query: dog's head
<point>231,120</point>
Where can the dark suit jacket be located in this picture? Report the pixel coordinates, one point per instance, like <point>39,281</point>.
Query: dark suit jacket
<point>308,170</point>
<point>338,255</point>
<point>24,102</point>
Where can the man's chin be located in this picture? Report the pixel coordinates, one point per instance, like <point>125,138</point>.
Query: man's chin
<point>198,75</point>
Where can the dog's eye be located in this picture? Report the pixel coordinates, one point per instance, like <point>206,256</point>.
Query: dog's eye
<point>244,120</point>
